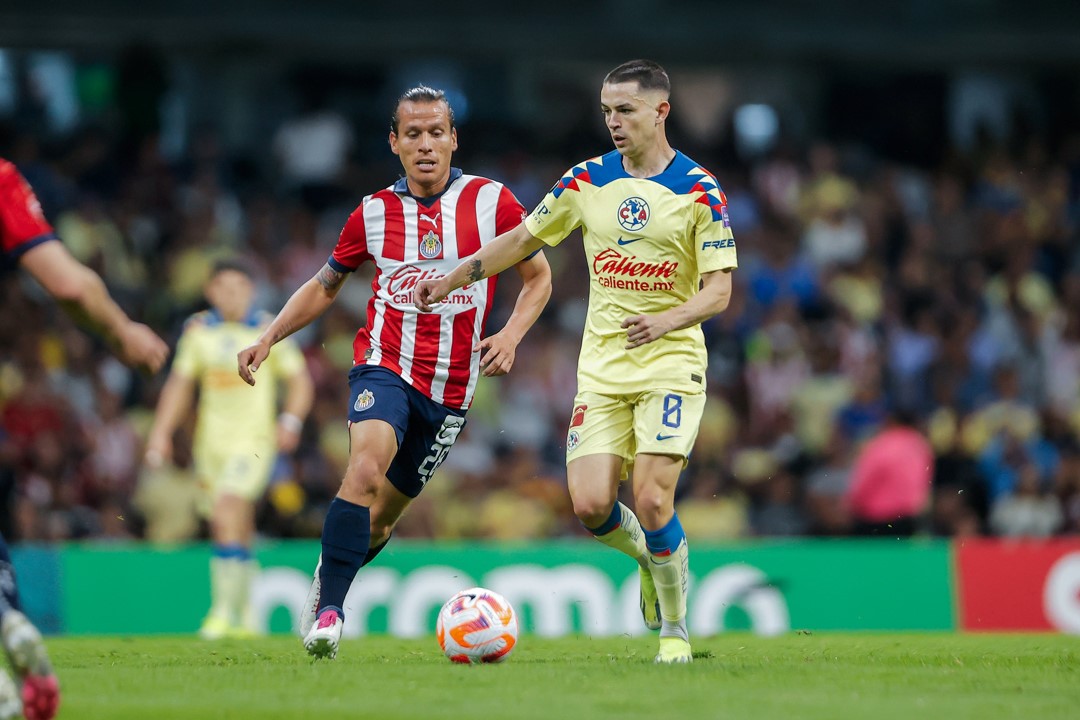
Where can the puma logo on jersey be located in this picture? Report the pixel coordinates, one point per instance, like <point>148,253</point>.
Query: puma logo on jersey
<point>433,220</point>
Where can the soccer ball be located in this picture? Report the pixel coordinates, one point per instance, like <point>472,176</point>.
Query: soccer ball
<point>477,626</point>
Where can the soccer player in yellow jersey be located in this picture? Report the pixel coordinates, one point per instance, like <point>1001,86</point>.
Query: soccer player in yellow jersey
<point>660,253</point>
<point>236,435</point>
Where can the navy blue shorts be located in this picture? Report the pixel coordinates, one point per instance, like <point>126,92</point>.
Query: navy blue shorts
<point>425,429</point>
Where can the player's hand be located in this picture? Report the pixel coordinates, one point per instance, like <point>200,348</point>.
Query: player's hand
<point>643,329</point>
<point>428,293</point>
<point>140,347</point>
<point>499,352</point>
<point>249,359</point>
<point>159,451</point>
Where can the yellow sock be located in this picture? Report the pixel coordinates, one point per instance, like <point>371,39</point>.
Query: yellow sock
<point>671,574</point>
<point>628,537</point>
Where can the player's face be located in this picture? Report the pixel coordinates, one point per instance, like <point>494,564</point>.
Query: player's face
<point>230,293</point>
<point>425,142</point>
<point>633,116</point>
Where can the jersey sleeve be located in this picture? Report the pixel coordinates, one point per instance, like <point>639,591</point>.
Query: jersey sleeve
<point>713,239</point>
<point>351,250</point>
<point>508,212</point>
<point>22,223</point>
<point>187,362</point>
<point>558,213</point>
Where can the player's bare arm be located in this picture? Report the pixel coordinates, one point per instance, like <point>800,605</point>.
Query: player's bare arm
<point>84,297</point>
<point>330,279</point>
<point>500,349</point>
<point>306,304</point>
<point>299,396</point>
<point>502,252</point>
<point>176,399</point>
<point>476,270</point>
<point>712,299</point>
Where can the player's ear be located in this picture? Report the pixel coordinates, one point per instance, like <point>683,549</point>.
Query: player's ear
<point>662,111</point>
<point>453,138</point>
<point>393,143</point>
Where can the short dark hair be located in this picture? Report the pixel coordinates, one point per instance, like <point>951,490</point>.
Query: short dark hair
<point>422,94</point>
<point>646,73</point>
<point>233,264</point>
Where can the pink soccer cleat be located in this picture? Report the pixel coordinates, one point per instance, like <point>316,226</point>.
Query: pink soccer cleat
<point>26,651</point>
<point>322,641</point>
<point>41,697</point>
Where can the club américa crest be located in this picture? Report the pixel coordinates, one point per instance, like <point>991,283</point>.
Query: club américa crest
<point>633,214</point>
<point>430,245</point>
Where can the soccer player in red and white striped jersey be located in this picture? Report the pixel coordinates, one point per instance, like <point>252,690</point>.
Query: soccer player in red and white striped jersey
<point>27,242</point>
<point>414,373</point>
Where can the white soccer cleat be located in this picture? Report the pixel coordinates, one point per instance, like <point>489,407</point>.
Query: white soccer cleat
<point>311,603</point>
<point>24,645</point>
<point>323,640</point>
<point>10,699</point>
<point>26,652</point>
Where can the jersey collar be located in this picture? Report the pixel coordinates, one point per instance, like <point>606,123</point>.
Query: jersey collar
<point>250,320</point>
<point>402,188</point>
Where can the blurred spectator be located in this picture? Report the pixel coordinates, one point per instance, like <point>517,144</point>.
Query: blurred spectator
<point>1028,511</point>
<point>890,484</point>
<point>827,487</point>
<point>312,149</point>
<point>835,235</point>
<point>778,511</point>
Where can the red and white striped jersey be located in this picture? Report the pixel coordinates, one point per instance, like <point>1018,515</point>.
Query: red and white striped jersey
<point>411,240</point>
<point>22,224</point>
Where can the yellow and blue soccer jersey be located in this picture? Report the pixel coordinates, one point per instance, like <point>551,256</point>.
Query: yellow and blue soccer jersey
<point>647,242</point>
<point>233,416</point>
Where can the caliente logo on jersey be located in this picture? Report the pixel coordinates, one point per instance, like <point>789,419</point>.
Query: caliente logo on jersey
<point>633,213</point>
<point>430,245</point>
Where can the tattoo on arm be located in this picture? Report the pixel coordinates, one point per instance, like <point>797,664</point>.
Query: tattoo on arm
<point>330,278</point>
<point>476,270</point>
<point>281,332</point>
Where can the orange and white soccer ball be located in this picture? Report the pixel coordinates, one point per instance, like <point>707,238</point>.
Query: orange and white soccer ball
<point>477,626</point>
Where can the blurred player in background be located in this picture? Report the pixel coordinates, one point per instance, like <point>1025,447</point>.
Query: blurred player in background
<point>414,374</point>
<point>236,437</point>
<point>27,241</point>
<point>660,250</point>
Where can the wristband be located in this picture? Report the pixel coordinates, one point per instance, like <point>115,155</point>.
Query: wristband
<point>290,422</point>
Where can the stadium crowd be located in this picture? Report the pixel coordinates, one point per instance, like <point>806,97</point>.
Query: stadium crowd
<point>901,355</point>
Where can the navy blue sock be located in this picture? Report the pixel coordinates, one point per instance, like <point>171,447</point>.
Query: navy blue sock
<point>345,537</point>
<point>9,591</point>
<point>372,552</point>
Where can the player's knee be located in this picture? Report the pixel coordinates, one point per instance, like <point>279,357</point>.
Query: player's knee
<point>362,479</point>
<point>653,505</point>
<point>592,511</point>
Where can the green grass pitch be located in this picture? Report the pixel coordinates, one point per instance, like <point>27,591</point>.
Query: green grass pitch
<point>802,675</point>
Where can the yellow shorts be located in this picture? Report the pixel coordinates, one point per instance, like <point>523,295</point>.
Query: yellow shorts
<point>243,473</point>
<point>655,422</point>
